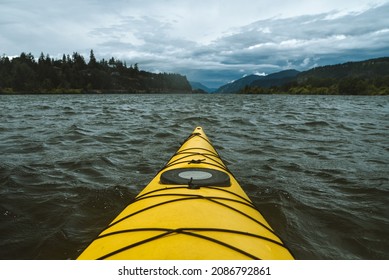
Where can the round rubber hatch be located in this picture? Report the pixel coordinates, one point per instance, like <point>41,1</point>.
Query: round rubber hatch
<point>196,177</point>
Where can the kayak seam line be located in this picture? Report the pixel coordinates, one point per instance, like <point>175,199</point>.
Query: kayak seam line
<point>184,230</point>
<point>190,197</point>
<point>193,135</point>
<point>194,154</point>
<point>205,187</point>
<point>133,245</point>
<point>187,150</point>
<point>213,152</point>
<point>186,140</point>
<point>245,202</point>
<point>147,208</point>
<point>249,204</point>
<point>246,215</point>
<point>187,231</point>
<point>205,139</point>
<point>232,193</point>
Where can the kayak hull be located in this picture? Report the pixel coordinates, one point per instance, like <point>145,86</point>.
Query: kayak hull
<point>194,208</point>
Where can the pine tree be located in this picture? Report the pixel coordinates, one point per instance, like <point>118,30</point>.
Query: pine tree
<point>92,60</point>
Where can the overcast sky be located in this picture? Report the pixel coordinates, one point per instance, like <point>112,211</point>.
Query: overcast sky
<point>211,41</point>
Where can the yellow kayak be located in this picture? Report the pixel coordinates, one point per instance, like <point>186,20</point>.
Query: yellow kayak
<point>193,209</point>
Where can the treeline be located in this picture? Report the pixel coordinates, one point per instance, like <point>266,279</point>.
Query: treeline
<point>328,86</point>
<point>72,74</point>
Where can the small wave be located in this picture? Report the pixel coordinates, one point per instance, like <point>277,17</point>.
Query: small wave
<point>292,167</point>
<point>163,135</point>
<point>70,113</point>
<point>195,120</point>
<point>345,127</point>
<point>107,160</point>
<point>342,181</point>
<point>316,123</point>
<point>267,167</point>
<point>43,107</point>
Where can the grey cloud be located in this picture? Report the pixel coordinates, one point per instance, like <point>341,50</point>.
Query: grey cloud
<point>168,36</point>
<point>306,41</point>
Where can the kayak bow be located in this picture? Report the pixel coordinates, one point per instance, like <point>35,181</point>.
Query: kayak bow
<point>193,209</point>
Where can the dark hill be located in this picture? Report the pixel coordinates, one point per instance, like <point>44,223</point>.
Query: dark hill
<point>274,79</point>
<point>369,77</point>
<point>237,85</point>
<point>196,86</point>
<point>367,69</point>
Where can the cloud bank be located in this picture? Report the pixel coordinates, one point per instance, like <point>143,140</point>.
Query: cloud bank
<point>212,42</point>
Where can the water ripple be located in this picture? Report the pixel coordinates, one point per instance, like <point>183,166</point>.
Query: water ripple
<point>315,166</point>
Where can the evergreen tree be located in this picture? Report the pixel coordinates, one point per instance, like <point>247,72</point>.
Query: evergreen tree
<point>79,61</point>
<point>92,60</point>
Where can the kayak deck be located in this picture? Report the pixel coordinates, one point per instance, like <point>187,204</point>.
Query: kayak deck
<point>193,209</point>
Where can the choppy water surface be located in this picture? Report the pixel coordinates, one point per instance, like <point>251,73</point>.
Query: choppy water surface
<point>317,167</point>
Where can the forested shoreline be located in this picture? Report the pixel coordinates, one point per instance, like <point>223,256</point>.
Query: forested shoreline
<point>72,74</point>
<point>345,86</point>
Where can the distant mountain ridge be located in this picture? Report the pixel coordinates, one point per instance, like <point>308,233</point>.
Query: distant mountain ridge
<point>274,79</point>
<point>196,86</point>
<point>324,76</point>
<point>237,85</point>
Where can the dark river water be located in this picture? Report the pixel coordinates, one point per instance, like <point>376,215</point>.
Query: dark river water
<point>317,167</point>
